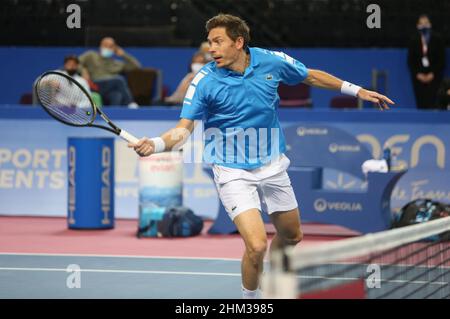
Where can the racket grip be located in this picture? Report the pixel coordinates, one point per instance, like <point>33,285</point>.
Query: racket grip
<point>128,137</point>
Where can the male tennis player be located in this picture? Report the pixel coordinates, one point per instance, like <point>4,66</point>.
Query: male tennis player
<point>236,96</point>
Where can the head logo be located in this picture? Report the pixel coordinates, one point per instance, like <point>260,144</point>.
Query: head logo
<point>72,184</point>
<point>269,77</point>
<point>106,187</point>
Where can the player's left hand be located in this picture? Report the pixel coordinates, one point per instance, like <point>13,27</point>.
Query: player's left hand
<point>381,100</point>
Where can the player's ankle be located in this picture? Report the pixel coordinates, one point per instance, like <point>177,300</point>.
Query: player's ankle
<point>250,294</point>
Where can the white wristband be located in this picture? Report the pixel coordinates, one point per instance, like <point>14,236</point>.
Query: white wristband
<point>160,146</point>
<point>350,89</point>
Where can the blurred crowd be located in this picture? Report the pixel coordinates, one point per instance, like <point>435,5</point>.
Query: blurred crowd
<point>105,73</point>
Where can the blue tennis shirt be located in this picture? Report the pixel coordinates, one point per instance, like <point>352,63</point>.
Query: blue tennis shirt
<point>242,129</point>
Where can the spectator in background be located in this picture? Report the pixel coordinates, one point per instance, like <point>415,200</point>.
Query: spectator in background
<point>71,66</point>
<point>204,48</point>
<point>61,92</point>
<point>426,61</point>
<point>197,62</point>
<point>105,72</point>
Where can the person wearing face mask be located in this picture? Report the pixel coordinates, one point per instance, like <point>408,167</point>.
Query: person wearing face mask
<point>426,61</point>
<point>71,66</point>
<point>204,47</point>
<point>101,68</point>
<point>198,61</point>
<point>63,91</point>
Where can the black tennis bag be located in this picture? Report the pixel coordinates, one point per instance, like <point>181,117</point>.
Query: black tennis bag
<point>180,222</point>
<point>422,210</point>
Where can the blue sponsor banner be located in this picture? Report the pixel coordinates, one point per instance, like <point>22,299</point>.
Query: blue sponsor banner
<point>90,185</point>
<point>421,149</point>
<point>33,157</point>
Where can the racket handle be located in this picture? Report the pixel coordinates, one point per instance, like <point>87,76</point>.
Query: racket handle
<point>128,137</point>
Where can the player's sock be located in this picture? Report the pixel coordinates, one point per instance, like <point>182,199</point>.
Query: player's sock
<point>249,294</point>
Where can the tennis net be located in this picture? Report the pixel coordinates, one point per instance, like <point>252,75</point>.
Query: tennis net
<point>408,262</point>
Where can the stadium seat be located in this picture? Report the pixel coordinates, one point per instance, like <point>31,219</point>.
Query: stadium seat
<point>26,99</point>
<point>344,102</point>
<point>294,95</point>
<point>145,85</point>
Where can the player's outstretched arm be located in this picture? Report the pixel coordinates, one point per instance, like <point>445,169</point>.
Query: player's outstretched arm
<point>325,80</point>
<point>167,141</point>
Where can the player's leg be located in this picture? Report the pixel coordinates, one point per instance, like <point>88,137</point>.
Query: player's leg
<point>108,92</point>
<point>281,204</point>
<point>121,86</point>
<point>241,201</point>
<point>251,227</point>
<point>288,227</point>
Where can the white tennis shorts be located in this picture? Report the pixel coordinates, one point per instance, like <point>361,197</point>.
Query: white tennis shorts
<point>267,188</point>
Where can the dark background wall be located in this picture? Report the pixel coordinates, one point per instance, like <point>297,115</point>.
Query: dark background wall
<point>283,23</point>
<point>325,34</point>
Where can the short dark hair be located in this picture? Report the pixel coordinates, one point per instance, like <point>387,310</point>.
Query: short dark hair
<point>424,15</point>
<point>234,26</point>
<point>197,54</point>
<point>71,57</point>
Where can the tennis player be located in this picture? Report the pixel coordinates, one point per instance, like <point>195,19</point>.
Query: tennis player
<point>236,96</point>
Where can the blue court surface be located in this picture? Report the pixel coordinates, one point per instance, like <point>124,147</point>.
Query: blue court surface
<point>55,276</point>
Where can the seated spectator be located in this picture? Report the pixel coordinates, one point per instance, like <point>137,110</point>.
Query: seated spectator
<point>61,92</point>
<point>71,65</point>
<point>204,48</point>
<point>197,62</point>
<point>105,72</point>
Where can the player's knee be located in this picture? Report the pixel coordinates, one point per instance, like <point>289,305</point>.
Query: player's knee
<point>294,239</point>
<point>257,249</point>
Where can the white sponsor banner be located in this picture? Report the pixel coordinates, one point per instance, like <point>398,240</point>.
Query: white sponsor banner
<point>33,168</point>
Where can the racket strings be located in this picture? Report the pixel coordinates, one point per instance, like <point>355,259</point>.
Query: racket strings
<point>65,100</point>
<point>69,113</point>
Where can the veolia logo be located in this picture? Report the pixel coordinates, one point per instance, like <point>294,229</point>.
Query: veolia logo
<point>302,131</point>
<point>72,197</point>
<point>106,184</point>
<point>321,205</point>
<point>333,148</point>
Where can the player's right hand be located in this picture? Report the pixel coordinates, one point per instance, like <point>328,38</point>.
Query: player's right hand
<point>144,147</point>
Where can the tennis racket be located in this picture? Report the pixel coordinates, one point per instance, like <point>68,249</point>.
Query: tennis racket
<point>66,100</point>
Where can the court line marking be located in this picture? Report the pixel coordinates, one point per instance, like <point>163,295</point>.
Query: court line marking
<point>117,256</point>
<point>190,273</point>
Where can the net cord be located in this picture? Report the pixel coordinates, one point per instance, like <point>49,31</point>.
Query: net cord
<point>365,245</point>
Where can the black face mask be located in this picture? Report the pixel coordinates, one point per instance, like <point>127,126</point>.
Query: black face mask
<point>424,30</point>
<point>71,72</point>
